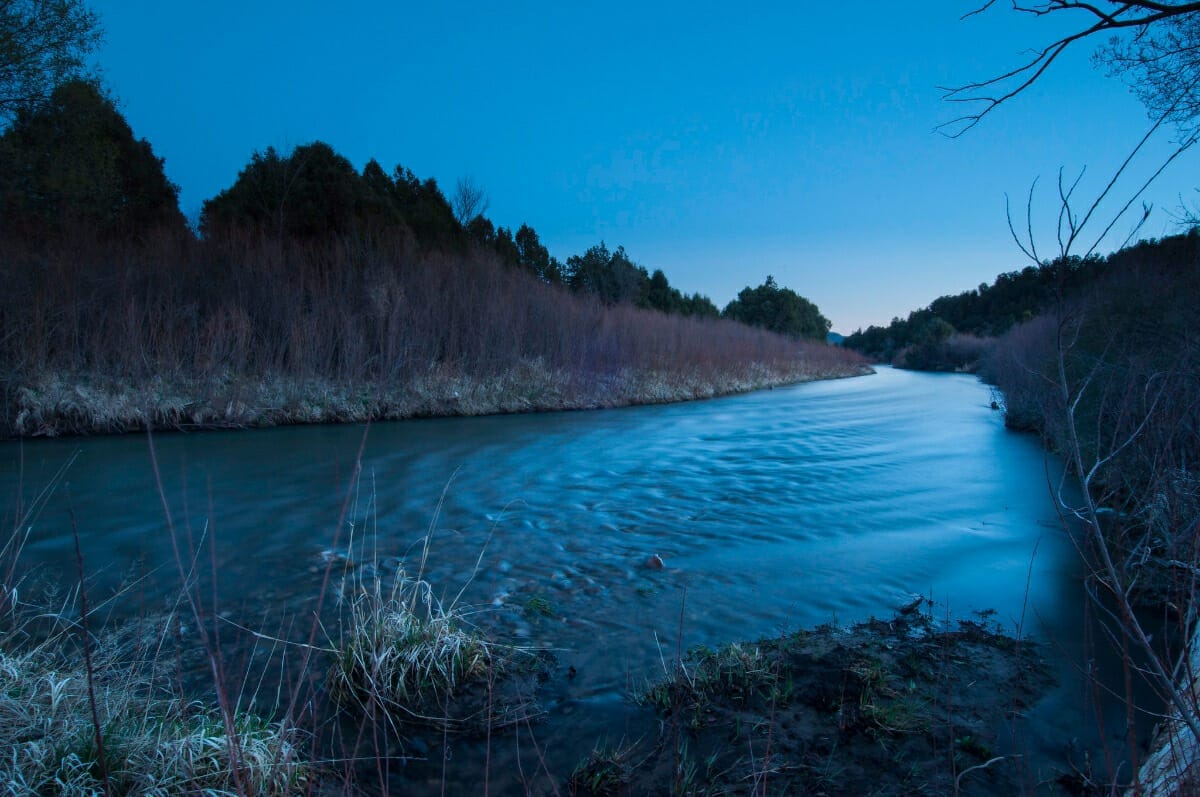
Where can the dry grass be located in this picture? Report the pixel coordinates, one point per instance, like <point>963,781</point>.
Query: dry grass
<point>153,742</point>
<point>405,650</point>
<point>406,655</point>
<point>60,403</point>
<point>407,661</point>
<point>258,333</point>
<point>86,711</point>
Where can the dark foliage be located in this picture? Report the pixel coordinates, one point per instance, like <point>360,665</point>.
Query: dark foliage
<point>535,258</point>
<point>615,279</point>
<point>315,193</point>
<point>1014,298</point>
<point>610,276</point>
<point>779,310</point>
<point>425,210</point>
<point>71,166</point>
<point>42,44</point>
<point>988,311</point>
<point>1131,358</point>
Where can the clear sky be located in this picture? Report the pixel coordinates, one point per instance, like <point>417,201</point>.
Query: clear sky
<point>715,142</point>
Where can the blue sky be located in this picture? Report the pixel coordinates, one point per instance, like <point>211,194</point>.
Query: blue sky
<point>717,143</point>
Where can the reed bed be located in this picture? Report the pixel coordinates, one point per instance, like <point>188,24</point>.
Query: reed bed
<point>116,727</point>
<point>258,332</point>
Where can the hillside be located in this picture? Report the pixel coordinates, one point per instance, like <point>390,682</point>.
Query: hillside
<point>953,331</point>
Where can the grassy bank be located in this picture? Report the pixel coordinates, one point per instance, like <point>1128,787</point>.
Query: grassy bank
<point>80,403</point>
<point>192,334</point>
<point>112,726</point>
<point>885,707</point>
<point>92,709</point>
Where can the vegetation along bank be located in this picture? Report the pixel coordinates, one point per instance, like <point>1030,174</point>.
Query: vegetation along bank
<point>312,292</point>
<point>1101,357</point>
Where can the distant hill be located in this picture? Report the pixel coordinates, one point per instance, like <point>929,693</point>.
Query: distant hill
<point>835,339</point>
<point>919,341</point>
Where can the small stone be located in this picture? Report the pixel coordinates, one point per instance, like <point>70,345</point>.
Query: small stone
<point>653,562</point>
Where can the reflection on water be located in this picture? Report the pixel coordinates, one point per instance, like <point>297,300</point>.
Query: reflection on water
<point>771,511</point>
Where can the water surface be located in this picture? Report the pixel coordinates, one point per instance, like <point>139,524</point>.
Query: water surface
<point>829,501</point>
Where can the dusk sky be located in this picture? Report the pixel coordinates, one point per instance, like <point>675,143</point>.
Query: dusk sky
<point>715,143</point>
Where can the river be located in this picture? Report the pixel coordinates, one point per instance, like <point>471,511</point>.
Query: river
<point>823,502</point>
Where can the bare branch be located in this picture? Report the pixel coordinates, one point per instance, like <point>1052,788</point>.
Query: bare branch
<point>469,202</point>
<point>979,10</point>
<point>41,45</point>
<point>1135,16</point>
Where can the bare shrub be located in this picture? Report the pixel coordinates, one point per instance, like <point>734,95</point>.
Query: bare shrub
<point>169,333</point>
<point>1020,364</point>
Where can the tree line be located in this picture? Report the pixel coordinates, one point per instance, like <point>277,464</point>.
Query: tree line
<point>927,338</point>
<point>71,165</point>
<point>311,290</point>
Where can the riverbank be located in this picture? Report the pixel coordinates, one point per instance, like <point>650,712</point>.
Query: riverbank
<point>759,506</point>
<point>78,404</point>
<point>262,332</point>
<point>886,707</point>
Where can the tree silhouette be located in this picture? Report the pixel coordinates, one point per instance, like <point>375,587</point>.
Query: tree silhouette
<point>72,163</point>
<point>611,276</point>
<point>535,258</point>
<point>312,192</point>
<point>779,310</point>
<point>469,201</point>
<point>42,44</point>
<point>1163,65</point>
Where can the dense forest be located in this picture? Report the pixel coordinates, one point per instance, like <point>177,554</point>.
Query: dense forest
<point>954,332</point>
<point>312,291</point>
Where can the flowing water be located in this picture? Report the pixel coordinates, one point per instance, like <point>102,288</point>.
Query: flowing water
<point>829,501</point>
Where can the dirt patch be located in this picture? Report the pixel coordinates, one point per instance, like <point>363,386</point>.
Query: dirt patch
<point>898,707</point>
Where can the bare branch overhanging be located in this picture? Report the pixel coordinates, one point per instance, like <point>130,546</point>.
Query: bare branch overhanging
<point>988,94</point>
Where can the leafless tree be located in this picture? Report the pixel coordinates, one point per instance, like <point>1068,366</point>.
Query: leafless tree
<point>1162,64</point>
<point>470,201</point>
<point>1110,410</point>
<point>1106,405</point>
<point>1154,28</point>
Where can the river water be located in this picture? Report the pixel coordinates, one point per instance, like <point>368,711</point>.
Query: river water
<point>829,501</point>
